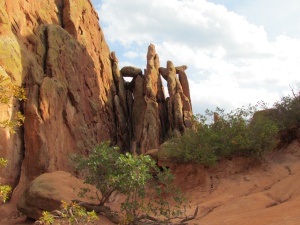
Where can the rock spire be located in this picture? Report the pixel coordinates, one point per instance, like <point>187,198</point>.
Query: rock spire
<point>151,116</point>
<point>76,94</point>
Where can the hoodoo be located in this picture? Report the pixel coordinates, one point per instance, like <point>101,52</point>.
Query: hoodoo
<point>76,93</point>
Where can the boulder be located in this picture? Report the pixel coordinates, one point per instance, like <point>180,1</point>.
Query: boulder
<point>180,68</point>
<point>131,71</point>
<point>46,192</point>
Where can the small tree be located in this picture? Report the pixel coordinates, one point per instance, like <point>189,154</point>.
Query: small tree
<point>130,175</point>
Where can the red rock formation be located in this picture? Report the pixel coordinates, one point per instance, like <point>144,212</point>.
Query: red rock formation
<point>153,116</point>
<point>76,94</point>
<point>179,102</point>
<point>123,127</point>
<point>58,54</point>
<point>46,192</point>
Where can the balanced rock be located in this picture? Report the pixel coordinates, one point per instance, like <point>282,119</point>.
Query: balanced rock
<point>131,71</point>
<point>76,94</point>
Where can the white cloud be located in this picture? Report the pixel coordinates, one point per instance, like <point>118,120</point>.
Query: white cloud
<point>231,61</point>
<point>131,54</point>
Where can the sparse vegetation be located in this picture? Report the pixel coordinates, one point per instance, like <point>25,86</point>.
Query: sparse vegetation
<point>71,213</point>
<point>248,131</point>
<point>146,198</point>
<point>4,189</point>
<point>287,112</point>
<point>7,91</point>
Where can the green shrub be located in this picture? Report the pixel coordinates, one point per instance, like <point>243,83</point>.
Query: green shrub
<point>7,91</point>
<point>71,213</point>
<point>132,176</point>
<point>234,133</point>
<point>287,112</point>
<point>4,189</point>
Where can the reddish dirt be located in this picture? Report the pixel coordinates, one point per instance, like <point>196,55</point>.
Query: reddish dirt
<point>245,191</point>
<point>239,191</point>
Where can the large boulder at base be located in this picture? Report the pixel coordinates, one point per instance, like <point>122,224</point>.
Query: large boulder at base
<point>46,192</point>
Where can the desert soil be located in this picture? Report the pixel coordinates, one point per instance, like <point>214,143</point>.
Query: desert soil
<point>239,191</point>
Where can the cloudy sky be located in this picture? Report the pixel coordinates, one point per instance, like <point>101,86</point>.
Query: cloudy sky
<point>237,51</point>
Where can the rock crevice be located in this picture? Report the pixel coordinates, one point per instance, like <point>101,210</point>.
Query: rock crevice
<point>154,117</point>
<point>76,94</point>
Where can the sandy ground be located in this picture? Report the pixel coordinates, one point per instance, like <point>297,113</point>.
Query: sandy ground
<point>246,192</point>
<point>239,191</point>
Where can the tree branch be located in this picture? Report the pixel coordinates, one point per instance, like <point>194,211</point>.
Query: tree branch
<point>190,217</point>
<point>106,211</point>
<point>154,221</point>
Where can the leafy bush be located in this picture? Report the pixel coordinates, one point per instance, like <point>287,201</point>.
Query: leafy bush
<point>4,189</point>
<point>7,91</point>
<point>73,213</point>
<point>286,112</point>
<point>46,219</point>
<point>132,176</point>
<point>234,133</point>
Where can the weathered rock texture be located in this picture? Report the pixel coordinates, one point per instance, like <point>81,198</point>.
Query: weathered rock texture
<point>57,52</point>
<point>76,94</point>
<point>46,192</point>
<point>152,116</point>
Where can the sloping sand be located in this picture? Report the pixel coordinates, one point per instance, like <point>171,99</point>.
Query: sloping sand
<point>239,191</point>
<point>245,192</point>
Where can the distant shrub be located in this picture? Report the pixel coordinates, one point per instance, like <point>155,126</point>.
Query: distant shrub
<point>287,112</point>
<point>234,133</point>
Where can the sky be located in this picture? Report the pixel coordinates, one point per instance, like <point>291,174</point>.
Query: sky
<point>238,52</point>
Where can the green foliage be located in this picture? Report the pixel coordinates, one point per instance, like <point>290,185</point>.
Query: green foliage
<point>132,176</point>
<point>234,133</point>
<point>286,112</point>
<point>4,192</point>
<point>18,121</point>
<point>3,162</point>
<point>4,189</point>
<point>7,91</point>
<point>73,213</point>
<point>46,219</point>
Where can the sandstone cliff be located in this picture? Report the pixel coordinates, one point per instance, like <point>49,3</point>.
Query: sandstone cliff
<point>57,52</point>
<point>76,94</point>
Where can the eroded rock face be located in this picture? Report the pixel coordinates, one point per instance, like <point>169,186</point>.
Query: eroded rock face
<point>153,115</point>
<point>46,192</point>
<point>59,55</point>
<point>76,94</point>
